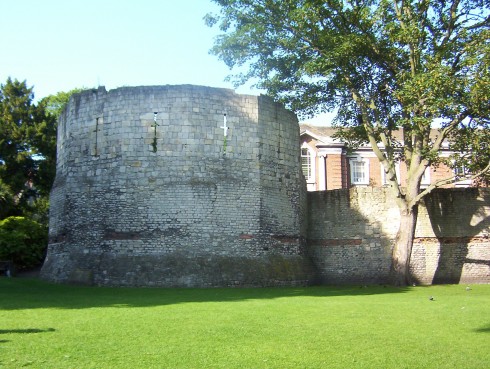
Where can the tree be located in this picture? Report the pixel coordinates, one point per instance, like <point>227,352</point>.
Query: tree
<point>27,147</point>
<point>17,165</point>
<point>385,65</point>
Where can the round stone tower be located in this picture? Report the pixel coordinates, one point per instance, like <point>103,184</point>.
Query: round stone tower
<point>177,186</point>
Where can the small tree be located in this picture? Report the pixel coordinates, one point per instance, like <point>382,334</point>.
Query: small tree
<point>385,65</point>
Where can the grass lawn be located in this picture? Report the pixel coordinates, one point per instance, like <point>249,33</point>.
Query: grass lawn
<point>43,325</point>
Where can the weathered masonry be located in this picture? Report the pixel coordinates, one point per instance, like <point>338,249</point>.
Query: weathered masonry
<point>351,232</point>
<point>177,186</point>
<point>201,187</point>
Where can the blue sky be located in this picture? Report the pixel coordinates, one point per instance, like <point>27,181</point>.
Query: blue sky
<point>58,45</point>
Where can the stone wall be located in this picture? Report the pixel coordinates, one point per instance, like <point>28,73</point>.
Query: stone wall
<point>351,234</point>
<point>149,191</point>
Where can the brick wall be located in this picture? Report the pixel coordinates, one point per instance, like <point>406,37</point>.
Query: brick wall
<point>177,204</point>
<point>336,171</point>
<point>351,233</point>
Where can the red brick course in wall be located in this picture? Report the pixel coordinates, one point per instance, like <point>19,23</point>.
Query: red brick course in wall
<point>351,234</point>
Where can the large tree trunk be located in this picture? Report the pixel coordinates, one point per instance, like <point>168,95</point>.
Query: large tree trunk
<point>402,249</point>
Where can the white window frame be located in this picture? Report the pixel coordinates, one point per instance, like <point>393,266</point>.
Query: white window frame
<point>425,181</point>
<point>365,163</point>
<point>312,156</point>
<point>466,174</point>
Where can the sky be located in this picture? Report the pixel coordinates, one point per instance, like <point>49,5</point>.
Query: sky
<point>58,45</point>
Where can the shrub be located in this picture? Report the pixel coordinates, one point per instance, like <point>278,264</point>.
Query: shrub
<point>23,241</point>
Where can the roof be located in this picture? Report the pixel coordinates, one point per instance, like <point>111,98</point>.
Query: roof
<point>319,131</point>
<point>324,134</point>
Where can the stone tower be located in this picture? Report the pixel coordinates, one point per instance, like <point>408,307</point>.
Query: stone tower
<point>151,189</point>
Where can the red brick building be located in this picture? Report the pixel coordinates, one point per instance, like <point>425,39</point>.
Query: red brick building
<point>328,165</point>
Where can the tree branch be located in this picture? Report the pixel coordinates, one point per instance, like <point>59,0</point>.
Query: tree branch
<point>451,180</point>
<point>384,160</point>
<point>452,22</point>
<point>447,130</point>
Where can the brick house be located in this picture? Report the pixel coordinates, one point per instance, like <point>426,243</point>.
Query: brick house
<point>328,165</point>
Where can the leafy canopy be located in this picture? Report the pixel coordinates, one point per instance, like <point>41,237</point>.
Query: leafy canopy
<point>27,147</point>
<point>27,144</point>
<point>383,64</point>
<point>56,103</point>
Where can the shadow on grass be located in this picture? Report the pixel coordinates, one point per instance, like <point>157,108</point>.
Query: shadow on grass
<point>24,293</point>
<point>483,329</point>
<point>24,331</point>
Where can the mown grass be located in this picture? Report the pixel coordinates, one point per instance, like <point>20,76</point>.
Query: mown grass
<point>57,326</point>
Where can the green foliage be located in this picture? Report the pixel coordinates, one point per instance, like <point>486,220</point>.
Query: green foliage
<point>38,210</point>
<point>43,326</point>
<point>385,65</point>
<point>56,103</point>
<point>23,241</point>
<point>27,169</point>
<point>6,199</point>
<point>27,142</point>
<point>27,147</point>
<point>17,165</point>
